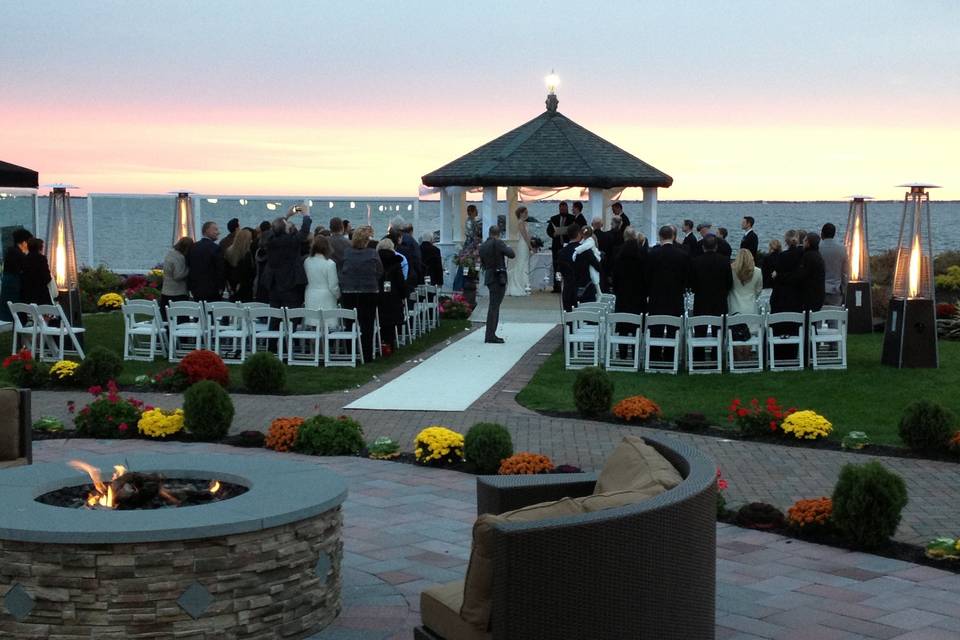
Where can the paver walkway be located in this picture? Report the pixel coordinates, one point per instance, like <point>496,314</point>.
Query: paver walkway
<point>407,528</point>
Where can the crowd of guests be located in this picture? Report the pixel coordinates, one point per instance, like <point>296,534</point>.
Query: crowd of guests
<point>26,274</point>
<point>289,265</point>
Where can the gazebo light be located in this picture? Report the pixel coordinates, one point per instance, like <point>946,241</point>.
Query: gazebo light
<point>271,206</point>
<point>353,205</point>
<point>183,223</point>
<point>553,81</point>
<point>243,202</point>
<point>212,200</point>
<point>857,296</point>
<point>330,205</point>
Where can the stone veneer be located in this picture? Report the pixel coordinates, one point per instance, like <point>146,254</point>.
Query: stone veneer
<point>278,582</point>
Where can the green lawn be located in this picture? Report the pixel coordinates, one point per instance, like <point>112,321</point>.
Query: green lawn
<point>107,330</point>
<point>866,397</point>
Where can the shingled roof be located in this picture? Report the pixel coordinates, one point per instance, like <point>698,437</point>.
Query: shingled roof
<point>549,151</point>
<point>12,175</point>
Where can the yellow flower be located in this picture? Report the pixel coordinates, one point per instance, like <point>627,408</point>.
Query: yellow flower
<point>438,443</point>
<point>807,425</point>
<point>64,369</point>
<point>157,423</point>
<point>156,272</point>
<point>110,301</point>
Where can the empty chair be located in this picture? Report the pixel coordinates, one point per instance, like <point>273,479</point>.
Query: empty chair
<point>704,338</point>
<point>58,338</point>
<point>230,326</point>
<point>341,345</point>
<point>209,308</point>
<point>828,339</point>
<point>304,327</point>
<point>25,324</point>
<point>267,327</point>
<point>253,305</point>
<point>377,337</point>
<point>143,332</point>
<point>744,343</point>
<point>581,338</point>
<point>662,340</point>
<point>432,302</point>
<point>186,328</point>
<point>785,341</point>
<point>624,350</point>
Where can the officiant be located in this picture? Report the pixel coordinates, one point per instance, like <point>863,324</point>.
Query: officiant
<point>562,228</point>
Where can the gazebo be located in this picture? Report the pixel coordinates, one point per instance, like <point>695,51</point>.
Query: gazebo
<point>18,177</point>
<point>17,185</point>
<point>549,152</point>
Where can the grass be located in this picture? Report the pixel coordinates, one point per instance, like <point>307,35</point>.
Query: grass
<point>866,397</point>
<point>106,329</point>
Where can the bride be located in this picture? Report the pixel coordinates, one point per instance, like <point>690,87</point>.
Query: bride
<point>518,270</point>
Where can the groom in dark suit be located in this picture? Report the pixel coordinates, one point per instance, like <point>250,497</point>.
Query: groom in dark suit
<point>492,254</point>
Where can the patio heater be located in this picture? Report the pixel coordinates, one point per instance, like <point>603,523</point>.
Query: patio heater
<point>858,299</point>
<point>183,223</point>
<point>910,338</point>
<point>61,250</point>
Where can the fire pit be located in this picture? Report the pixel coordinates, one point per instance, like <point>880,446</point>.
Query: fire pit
<point>262,563</point>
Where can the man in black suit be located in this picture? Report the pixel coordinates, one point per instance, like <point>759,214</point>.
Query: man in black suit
<point>809,277</point>
<point>618,224</point>
<point>750,240</point>
<point>565,266</point>
<point>284,274</point>
<point>409,248</point>
<point>668,269</point>
<point>711,279</point>
<point>723,247</point>
<point>205,261</point>
<point>690,239</point>
<point>492,254</point>
<point>786,296</point>
<point>432,260</point>
<point>562,228</point>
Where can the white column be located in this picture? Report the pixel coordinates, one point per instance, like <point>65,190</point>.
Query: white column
<point>90,261</point>
<point>446,218</point>
<point>416,218</point>
<point>489,209</point>
<point>458,213</point>
<point>595,208</point>
<point>650,211</point>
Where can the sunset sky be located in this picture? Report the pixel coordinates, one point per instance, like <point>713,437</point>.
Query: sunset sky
<point>735,100</point>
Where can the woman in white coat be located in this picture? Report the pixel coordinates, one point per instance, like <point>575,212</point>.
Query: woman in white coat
<point>742,299</point>
<point>323,285</point>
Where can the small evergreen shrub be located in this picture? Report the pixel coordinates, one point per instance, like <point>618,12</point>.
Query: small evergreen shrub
<point>926,426</point>
<point>264,373</point>
<point>207,410</point>
<point>867,502</point>
<point>323,436</point>
<point>486,445</point>
<point>100,366</point>
<point>593,392</point>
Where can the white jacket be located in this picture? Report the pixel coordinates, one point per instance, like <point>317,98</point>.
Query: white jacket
<point>590,244</point>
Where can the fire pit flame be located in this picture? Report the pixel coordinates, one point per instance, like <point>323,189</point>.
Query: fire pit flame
<point>102,496</point>
<point>129,490</point>
<point>214,486</point>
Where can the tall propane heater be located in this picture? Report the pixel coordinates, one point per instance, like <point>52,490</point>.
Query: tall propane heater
<point>857,298</point>
<point>183,222</point>
<point>910,339</point>
<point>61,250</point>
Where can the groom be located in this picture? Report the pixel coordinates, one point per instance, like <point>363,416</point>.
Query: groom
<point>492,253</point>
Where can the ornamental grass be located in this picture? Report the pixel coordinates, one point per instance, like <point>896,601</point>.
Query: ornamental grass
<point>807,425</point>
<point>525,463</point>
<point>283,433</point>
<point>810,515</point>
<point>437,446</point>
<point>638,408</point>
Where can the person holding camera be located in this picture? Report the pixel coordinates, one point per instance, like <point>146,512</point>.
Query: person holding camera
<point>284,275</point>
<point>492,257</point>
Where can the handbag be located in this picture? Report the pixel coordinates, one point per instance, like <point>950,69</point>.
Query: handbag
<point>740,332</point>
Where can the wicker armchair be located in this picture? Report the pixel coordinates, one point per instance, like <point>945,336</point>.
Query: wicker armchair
<point>644,571</point>
<point>16,438</point>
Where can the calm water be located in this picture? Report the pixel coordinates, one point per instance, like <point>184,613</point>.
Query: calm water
<point>133,233</point>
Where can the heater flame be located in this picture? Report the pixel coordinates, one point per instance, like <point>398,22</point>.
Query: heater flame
<point>914,272</point>
<point>60,258</point>
<point>855,261</point>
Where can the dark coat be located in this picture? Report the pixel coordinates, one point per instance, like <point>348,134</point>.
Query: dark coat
<point>711,280</point>
<point>241,278</point>
<point>691,245</point>
<point>808,279</point>
<point>35,279</point>
<point>724,248</point>
<point>492,257</point>
<point>284,270</point>
<point>206,277</point>
<point>432,263</point>
<point>767,268</point>
<point>581,268</point>
<point>391,304</point>
<point>361,271</point>
<point>411,251</point>
<point>564,220</point>
<point>629,278</point>
<point>750,242</point>
<point>786,294</point>
<point>339,243</point>
<point>569,279</point>
<point>668,273</point>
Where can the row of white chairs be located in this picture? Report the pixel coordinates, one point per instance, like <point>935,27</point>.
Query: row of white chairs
<point>46,329</point>
<point>741,343</point>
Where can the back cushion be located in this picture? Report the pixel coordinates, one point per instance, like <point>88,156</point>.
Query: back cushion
<point>635,465</point>
<point>9,424</point>
<point>613,499</point>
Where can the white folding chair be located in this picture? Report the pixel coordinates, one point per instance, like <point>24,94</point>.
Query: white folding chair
<point>267,324</point>
<point>209,308</point>
<point>711,342</point>
<point>581,338</point>
<point>609,300</point>
<point>253,305</point>
<point>25,324</point>
<point>186,321</point>
<point>780,333</point>
<point>231,326</point>
<point>55,331</point>
<point>745,356</point>
<point>143,333</point>
<point>341,340</point>
<point>662,334</point>
<point>305,326</point>
<point>828,339</point>
<point>630,341</point>
<point>377,337</point>
<point>432,302</point>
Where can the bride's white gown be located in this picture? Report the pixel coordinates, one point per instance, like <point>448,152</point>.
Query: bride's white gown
<point>518,270</point>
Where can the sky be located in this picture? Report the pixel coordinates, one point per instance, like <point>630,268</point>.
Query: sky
<point>787,100</point>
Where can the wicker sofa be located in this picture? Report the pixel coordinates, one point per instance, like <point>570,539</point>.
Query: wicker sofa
<point>15,428</point>
<point>642,571</point>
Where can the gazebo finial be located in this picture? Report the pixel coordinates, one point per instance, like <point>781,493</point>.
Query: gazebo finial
<point>553,81</point>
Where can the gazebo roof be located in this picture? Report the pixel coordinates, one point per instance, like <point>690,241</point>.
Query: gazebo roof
<point>549,151</point>
<point>12,175</point>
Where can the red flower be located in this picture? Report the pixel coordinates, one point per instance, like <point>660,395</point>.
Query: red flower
<point>742,412</point>
<point>773,426</point>
<point>85,410</point>
<point>95,390</point>
<point>122,427</point>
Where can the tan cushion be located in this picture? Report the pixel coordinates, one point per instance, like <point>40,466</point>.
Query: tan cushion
<point>7,464</point>
<point>9,424</point>
<point>478,588</point>
<point>636,465</point>
<point>613,499</point>
<point>440,612</point>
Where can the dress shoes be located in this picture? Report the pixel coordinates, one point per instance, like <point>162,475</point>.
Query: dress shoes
<point>494,340</point>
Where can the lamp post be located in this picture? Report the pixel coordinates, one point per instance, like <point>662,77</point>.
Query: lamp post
<point>183,223</point>
<point>858,299</point>
<point>61,251</point>
<point>910,338</point>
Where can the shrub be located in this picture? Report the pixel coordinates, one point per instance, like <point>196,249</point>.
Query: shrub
<point>926,426</point>
<point>525,463</point>
<point>807,425</point>
<point>264,373</point>
<point>810,516</point>
<point>207,410</point>
<point>486,445</point>
<point>438,446</point>
<point>455,308</point>
<point>759,515</point>
<point>323,436</point>
<point>867,502</point>
<point>637,408</point>
<point>593,392</point>
<point>24,371</point>
<point>109,415</point>
<point>93,283</point>
<point>49,424</point>
<point>64,373</point>
<point>954,444</point>
<point>283,433</point>
<point>384,448</point>
<point>692,421</point>
<point>754,420</point>
<point>170,379</point>
<point>949,281</point>
<point>882,266</point>
<point>99,367</point>
<point>880,301</point>
<point>945,260</point>
<point>204,365</point>
<point>157,423</point>
<point>946,310</point>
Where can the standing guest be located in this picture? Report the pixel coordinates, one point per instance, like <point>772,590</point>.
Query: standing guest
<point>578,214</point>
<point>432,260</point>
<point>407,247</point>
<point>11,283</point>
<point>35,279</point>
<point>629,267</point>
<point>205,263</point>
<point>472,231</point>
<point>770,262</point>
<point>604,243</point>
<point>710,279</point>
<point>618,223</point>
<point>562,228</point>
<point>723,247</point>
<point>747,284</point>
<point>690,239</point>
<point>704,230</point>
<point>834,264</point>
<point>750,241</point>
<point>586,266</point>
<point>801,236</point>
<point>284,276</point>
<point>809,276</point>
<point>339,242</point>
<point>232,226</point>
<point>492,257</point>
<point>360,285</point>
<point>241,268</point>
<point>568,278</point>
<point>409,242</point>
<point>786,296</point>
<point>260,257</point>
<point>323,285</point>
<point>392,301</point>
<point>348,229</point>
<point>667,272</point>
<point>175,274</point>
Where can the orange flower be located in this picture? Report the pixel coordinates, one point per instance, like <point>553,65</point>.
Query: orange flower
<point>636,408</point>
<point>283,433</point>
<point>816,511</point>
<point>525,463</point>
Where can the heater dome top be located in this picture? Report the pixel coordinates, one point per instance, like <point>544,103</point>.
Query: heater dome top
<point>922,185</point>
<point>860,197</point>
<point>186,191</point>
<point>61,185</point>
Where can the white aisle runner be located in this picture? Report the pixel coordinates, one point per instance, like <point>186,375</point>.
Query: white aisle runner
<point>454,378</point>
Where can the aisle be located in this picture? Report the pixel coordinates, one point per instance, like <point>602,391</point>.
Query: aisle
<point>454,378</point>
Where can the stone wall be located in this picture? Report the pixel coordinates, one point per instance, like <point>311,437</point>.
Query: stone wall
<point>280,582</point>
